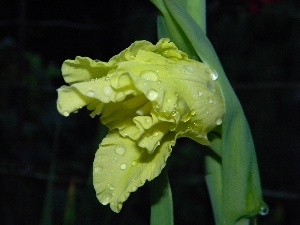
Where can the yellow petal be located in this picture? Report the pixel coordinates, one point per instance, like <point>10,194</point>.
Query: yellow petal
<point>70,100</point>
<point>121,166</point>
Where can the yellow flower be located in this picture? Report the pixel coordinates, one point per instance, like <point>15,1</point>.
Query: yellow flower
<point>148,96</point>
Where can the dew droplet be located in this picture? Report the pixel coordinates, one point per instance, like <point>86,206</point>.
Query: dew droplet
<point>168,100</point>
<point>152,94</point>
<point>134,188</point>
<point>211,86</point>
<point>214,76</point>
<point>90,93</point>
<point>110,187</point>
<point>149,75</point>
<point>123,166</point>
<point>107,90</point>
<point>193,112</point>
<point>188,69</point>
<point>105,198</point>
<point>134,163</point>
<point>174,113</point>
<point>120,150</point>
<point>218,121</point>
<point>200,93</point>
<point>66,113</point>
<point>97,169</point>
<point>210,100</point>
<point>147,120</point>
<point>155,134</point>
<point>264,210</point>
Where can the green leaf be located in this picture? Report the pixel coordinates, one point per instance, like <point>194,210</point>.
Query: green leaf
<point>161,199</point>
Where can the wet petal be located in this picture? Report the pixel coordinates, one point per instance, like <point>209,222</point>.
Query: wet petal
<point>121,166</point>
<point>70,100</point>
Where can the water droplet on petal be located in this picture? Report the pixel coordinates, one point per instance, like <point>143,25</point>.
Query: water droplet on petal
<point>210,100</point>
<point>188,69</point>
<point>214,76</point>
<point>123,166</point>
<point>218,121</point>
<point>107,90</point>
<point>155,134</point>
<point>66,113</point>
<point>97,169</point>
<point>193,112</point>
<point>152,94</point>
<point>264,209</point>
<point>211,86</point>
<point>90,93</point>
<point>149,75</point>
<point>147,120</point>
<point>168,100</point>
<point>105,198</point>
<point>200,93</point>
<point>134,163</point>
<point>110,187</point>
<point>120,150</point>
<point>134,188</point>
<point>174,113</point>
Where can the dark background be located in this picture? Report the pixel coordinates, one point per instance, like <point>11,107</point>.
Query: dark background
<point>46,159</point>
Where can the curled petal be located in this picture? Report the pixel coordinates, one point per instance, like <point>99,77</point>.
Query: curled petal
<point>121,166</point>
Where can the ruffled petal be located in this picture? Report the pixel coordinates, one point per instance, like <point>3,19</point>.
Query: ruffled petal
<point>121,166</point>
<point>70,100</point>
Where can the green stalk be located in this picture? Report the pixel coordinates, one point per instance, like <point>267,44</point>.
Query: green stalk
<point>232,171</point>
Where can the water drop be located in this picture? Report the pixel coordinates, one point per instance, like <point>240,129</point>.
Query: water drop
<point>152,94</point>
<point>200,93</point>
<point>176,94</point>
<point>120,150</point>
<point>218,121</point>
<point>188,69</point>
<point>123,166</point>
<point>211,86</point>
<point>264,210</point>
<point>90,93</point>
<point>110,187</point>
<point>97,169</point>
<point>210,100</point>
<point>155,134</point>
<point>134,188</point>
<point>168,100</point>
<point>147,120</point>
<point>214,76</point>
<point>107,90</point>
<point>134,163</point>
<point>66,113</point>
<point>193,112</point>
<point>174,113</point>
<point>149,75</point>
<point>105,198</point>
